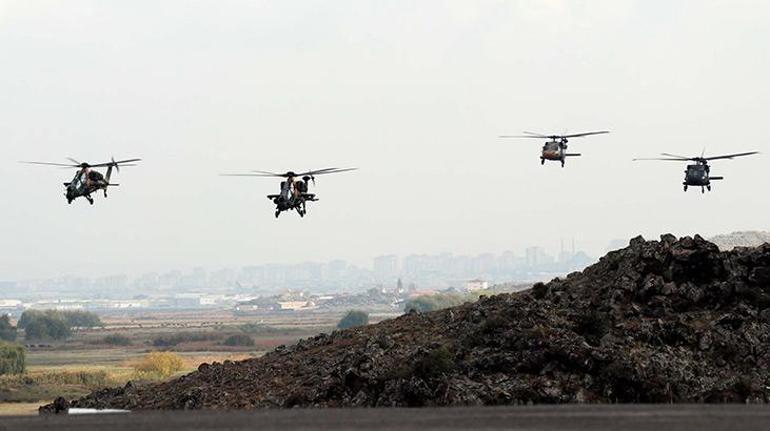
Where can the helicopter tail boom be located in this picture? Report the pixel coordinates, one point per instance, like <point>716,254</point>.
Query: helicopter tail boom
<point>716,178</point>
<point>572,155</point>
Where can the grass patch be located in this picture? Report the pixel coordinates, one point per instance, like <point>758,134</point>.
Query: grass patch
<point>159,366</point>
<point>49,384</point>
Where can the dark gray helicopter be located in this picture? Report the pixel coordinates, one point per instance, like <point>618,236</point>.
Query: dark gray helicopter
<point>556,148</point>
<point>698,174</point>
<point>294,192</point>
<point>86,180</point>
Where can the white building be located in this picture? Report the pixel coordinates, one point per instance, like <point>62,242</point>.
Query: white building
<point>474,285</point>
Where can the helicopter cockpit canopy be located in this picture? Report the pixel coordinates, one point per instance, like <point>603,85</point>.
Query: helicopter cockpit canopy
<point>77,182</point>
<point>551,146</point>
<point>698,171</point>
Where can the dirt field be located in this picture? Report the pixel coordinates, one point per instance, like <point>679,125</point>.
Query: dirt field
<point>85,361</point>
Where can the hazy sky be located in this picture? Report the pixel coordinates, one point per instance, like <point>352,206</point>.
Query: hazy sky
<point>414,93</point>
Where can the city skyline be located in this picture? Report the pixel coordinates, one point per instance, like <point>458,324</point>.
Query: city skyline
<point>366,263</point>
<point>426,270</point>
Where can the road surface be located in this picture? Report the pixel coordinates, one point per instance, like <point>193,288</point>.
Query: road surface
<point>569,417</point>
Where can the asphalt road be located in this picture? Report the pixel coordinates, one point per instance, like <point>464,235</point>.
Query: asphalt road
<point>570,417</point>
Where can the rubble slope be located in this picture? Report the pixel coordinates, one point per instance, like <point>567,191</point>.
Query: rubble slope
<point>659,321</point>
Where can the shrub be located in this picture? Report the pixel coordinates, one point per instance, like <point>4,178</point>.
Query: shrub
<point>437,361</point>
<point>159,365</point>
<point>182,337</point>
<point>81,319</point>
<point>46,328</point>
<point>12,358</point>
<point>72,319</point>
<point>238,340</point>
<point>262,329</point>
<point>353,318</point>
<point>7,331</point>
<point>90,379</point>
<point>424,304</point>
<point>117,340</point>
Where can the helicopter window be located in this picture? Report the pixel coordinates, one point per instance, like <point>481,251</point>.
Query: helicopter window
<point>78,180</point>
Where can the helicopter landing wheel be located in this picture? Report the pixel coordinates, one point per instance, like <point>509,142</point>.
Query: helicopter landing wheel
<point>277,213</point>
<point>542,161</point>
<point>708,187</point>
<point>702,190</point>
<point>685,187</point>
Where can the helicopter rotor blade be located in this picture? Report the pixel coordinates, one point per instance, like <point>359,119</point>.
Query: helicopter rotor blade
<point>250,175</point>
<point>659,158</point>
<point>536,135</point>
<point>677,156</point>
<point>730,156</point>
<point>580,135</point>
<point>542,136</point>
<point>271,174</point>
<point>290,173</point>
<point>114,163</point>
<point>74,161</point>
<point>52,164</point>
<point>326,171</point>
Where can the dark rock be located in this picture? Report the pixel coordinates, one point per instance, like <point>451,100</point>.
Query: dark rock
<point>659,321</point>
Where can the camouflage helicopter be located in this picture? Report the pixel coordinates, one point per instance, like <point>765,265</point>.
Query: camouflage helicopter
<point>698,174</point>
<point>86,180</point>
<point>294,191</point>
<point>556,148</point>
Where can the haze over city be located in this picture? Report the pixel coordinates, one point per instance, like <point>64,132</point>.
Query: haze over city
<point>413,93</point>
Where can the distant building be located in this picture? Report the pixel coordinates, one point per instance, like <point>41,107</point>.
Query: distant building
<point>474,285</point>
<point>536,256</point>
<point>295,305</point>
<point>10,303</point>
<point>386,267</point>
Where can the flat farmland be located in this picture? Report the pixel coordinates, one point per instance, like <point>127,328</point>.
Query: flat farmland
<point>108,356</point>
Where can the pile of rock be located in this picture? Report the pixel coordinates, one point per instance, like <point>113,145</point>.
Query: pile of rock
<point>659,321</point>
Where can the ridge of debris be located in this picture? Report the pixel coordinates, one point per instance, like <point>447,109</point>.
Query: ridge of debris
<point>674,320</point>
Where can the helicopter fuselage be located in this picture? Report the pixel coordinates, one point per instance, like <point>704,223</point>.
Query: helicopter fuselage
<point>697,175</point>
<point>556,151</point>
<point>85,182</point>
<point>553,151</point>
<point>293,196</point>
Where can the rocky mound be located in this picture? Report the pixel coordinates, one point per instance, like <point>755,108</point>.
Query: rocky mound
<point>751,238</point>
<point>659,321</point>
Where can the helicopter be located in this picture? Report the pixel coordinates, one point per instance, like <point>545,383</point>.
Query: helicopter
<point>294,191</point>
<point>556,148</point>
<point>86,180</point>
<point>699,173</point>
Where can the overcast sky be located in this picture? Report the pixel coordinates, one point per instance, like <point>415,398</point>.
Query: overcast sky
<point>414,93</point>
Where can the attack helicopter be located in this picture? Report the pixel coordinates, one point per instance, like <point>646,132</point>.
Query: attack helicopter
<point>294,190</point>
<point>87,180</point>
<point>556,148</point>
<point>699,173</point>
